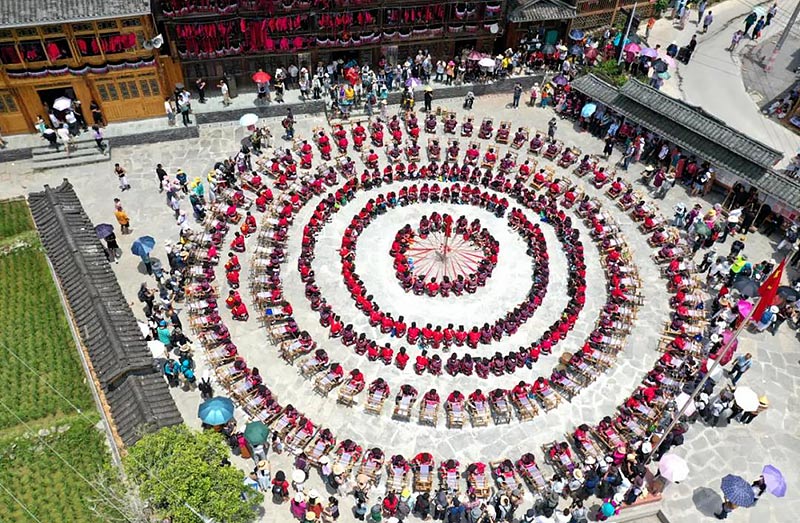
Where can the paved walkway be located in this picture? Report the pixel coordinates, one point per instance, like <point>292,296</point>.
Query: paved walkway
<point>713,78</point>
<point>712,452</point>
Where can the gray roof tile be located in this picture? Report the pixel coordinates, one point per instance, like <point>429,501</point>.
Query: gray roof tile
<point>19,13</point>
<point>137,394</point>
<point>540,10</point>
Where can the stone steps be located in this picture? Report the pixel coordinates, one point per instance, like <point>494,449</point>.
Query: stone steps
<point>84,151</point>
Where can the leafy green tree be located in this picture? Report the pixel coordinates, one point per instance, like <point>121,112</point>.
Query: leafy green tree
<point>179,471</point>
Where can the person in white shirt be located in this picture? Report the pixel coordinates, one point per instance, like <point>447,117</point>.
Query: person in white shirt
<point>65,138</point>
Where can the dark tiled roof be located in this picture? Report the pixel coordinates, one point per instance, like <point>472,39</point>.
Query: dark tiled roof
<point>142,404</point>
<point>697,120</point>
<point>695,131</point>
<point>121,361</point>
<point>540,10</point>
<point>17,13</point>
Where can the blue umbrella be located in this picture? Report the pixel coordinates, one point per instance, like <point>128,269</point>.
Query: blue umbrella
<point>104,230</point>
<point>143,246</point>
<point>576,50</point>
<point>560,80</point>
<point>738,491</point>
<point>216,411</point>
<point>588,110</point>
<point>576,34</point>
<point>776,483</point>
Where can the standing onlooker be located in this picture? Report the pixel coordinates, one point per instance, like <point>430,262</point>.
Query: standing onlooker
<point>727,508</point>
<point>185,108</point>
<point>200,84</point>
<point>428,96</point>
<point>709,18</point>
<point>169,109</point>
<point>65,138</point>
<point>123,220</point>
<point>97,114</point>
<point>517,95</point>
<point>552,125</point>
<point>740,366</point>
<point>747,417</point>
<point>226,92</point>
<point>690,48</point>
<point>735,39</point>
<point>72,123</point>
<point>123,179</point>
<point>40,125</point>
<point>98,138</point>
<point>162,175</point>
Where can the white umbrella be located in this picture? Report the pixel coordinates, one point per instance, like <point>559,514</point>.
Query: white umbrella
<point>298,476</point>
<point>673,468</point>
<point>62,104</point>
<point>746,398</point>
<point>486,62</point>
<point>681,400</point>
<point>248,120</point>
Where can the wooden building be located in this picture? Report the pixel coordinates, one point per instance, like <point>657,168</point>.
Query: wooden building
<point>238,37</point>
<point>83,49</point>
<point>600,14</point>
<point>545,20</point>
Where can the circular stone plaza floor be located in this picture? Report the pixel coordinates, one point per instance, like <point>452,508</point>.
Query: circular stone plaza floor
<point>711,452</point>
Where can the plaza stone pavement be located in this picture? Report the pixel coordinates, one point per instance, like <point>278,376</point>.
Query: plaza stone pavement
<point>711,452</point>
<point>713,78</point>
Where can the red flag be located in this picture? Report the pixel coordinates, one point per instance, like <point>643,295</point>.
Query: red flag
<point>768,290</point>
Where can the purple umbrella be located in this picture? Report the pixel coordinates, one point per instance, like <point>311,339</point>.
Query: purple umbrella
<point>413,82</point>
<point>776,484</point>
<point>649,52</point>
<point>560,80</point>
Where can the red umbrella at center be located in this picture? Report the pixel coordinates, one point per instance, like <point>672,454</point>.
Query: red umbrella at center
<point>261,77</point>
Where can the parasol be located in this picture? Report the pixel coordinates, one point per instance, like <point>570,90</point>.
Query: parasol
<point>475,56</point>
<point>726,337</point>
<point>416,82</point>
<point>143,246</point>
<point>738,491</point>
<point>673,468</point>
<point>776,484</point>
<point>668,60</point>
<point>261,77</point>
<point>104,230</point>
<point>298,476</point>
<point>248,119</point>
<point>789,294</point>
<point>588,110</point>
<point>576,34</point>
<point>660,66</point>
<point>632,47</point>
<point>62,104</point>
<point>591,53</point>
<point>428,88</point>
<point>681,400</point>
<point>256,433</point>
<point>548,49</point>
<point>649,52</point>
<point>664,76</point>
<point>216,411</point>
<point>636,39</point>
<point>607,509</point>
<point>746,286</point>
<point>576,50</point>
<point>560,80</point>
<point>746,398</point>
<point>701,228</point>
<point>486,62</point>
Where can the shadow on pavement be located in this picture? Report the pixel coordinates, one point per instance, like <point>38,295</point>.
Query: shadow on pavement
<point>706,500</point>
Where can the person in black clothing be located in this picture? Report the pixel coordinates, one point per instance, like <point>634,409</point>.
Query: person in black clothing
<point>690,48</point>
<point>161,173</point>
<point>428,101</point>
<point>201,90</point>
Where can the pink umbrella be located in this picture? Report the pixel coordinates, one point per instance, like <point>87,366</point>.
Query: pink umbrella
<point>744,307</point>
<point>633,48</point>
<point>649,53</point>
<point>726,337</point>
<point>669,61</point>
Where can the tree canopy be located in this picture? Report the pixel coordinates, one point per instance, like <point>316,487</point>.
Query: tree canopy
<point>178,470</point>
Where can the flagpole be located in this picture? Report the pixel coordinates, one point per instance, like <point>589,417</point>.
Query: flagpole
<point>777,272</point>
